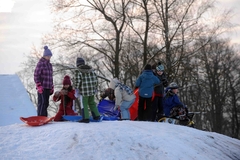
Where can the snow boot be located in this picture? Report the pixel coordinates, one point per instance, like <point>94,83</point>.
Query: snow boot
<point>96,118</point>
<point>84,121</point>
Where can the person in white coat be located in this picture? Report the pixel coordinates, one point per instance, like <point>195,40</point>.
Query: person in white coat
<point>124,97</point>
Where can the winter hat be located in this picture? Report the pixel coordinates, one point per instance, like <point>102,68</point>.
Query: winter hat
<point>47,51</point>
<point>66,80</point>
<point>148,67</point>
<point>80,61</point>
<point>160,68</point>
<point>173,85</point>
<point>113,83</point>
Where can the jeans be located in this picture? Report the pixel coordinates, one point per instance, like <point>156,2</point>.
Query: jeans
<point>124,107</point>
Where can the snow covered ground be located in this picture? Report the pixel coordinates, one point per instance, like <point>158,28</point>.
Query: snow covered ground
<point>107,140</point>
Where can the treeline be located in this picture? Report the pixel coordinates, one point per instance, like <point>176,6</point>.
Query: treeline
<point>119,37</point>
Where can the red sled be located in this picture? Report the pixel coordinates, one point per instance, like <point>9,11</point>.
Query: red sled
<point>36,120</point>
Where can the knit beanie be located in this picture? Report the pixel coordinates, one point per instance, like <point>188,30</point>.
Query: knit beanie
<point>66,80</point>
<point>148,67</point>
<point>160,68</point>
<point>47,51</point>
<point>80,61</point>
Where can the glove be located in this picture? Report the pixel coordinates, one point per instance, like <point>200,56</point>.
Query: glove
<point>52,90</point>
<point>165,82</point>
<point>39,88</point>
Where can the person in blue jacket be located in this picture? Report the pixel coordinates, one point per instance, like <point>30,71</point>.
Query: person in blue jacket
<point>145,82</point>
<point>172,106</point>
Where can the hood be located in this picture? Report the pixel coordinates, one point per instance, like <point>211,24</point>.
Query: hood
<point>85,68</point>
<point>147,74</point>
<point>113,83</point>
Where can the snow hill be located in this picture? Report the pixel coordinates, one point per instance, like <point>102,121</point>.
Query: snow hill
<point>14,100</point>
<point>107,140</point>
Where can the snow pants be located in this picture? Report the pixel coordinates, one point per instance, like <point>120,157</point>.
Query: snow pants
<point>43,102</point>
<point>157,108</point>
<point>145,114</point>
<point>88,101</point>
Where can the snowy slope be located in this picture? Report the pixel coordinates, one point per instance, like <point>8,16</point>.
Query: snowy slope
<point>114,140</point>
<point>107,140</point>
<point>14,100</point>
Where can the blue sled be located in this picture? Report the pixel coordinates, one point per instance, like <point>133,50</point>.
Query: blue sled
<point>78,118</point>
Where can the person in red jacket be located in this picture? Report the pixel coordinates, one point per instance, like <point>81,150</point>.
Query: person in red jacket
<point>66,96</point>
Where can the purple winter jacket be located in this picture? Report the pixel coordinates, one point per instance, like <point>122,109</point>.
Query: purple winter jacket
<point>44,73</point>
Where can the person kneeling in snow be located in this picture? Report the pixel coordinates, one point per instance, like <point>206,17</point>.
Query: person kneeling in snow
<point>124,98</point>
<point>172,105</point>
<point>66,95</point>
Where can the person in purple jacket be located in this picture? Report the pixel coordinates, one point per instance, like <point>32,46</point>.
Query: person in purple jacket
<point>43,77</point>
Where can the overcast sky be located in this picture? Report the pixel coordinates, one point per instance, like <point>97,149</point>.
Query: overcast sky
<point>23,23</point>
<point>20,28</point>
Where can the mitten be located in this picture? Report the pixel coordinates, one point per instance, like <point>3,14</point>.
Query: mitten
<point>52,90</point>
<point>39,88</point>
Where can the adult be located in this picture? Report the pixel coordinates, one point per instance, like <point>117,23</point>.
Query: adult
<point>43,77</point>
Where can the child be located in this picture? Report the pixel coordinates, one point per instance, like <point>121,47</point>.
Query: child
<point>172,105</point>
<point>86,85</point>
<point>43,77</point>
<point>145,83</point>
<point>66,95</point>
<point>124,98</point>
<point>157,103</point>
<point>109,92</point>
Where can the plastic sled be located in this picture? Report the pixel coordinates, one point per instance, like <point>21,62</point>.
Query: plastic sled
<point>106,108</point>
<point>112,118</point>
<point>189,123</point>
<point>36,120</point>
<point>72,118</point>
<point>78,118</point>
<point>134,108</point>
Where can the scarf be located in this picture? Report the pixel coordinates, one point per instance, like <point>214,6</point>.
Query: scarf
<point>124,87</point>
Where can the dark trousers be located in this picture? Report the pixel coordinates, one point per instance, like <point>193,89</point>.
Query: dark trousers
<point>145,114</point>
<point>157,108</point>
<point>43,102</point>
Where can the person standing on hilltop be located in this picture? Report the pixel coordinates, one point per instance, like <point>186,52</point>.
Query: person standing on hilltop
<point>43,77</point>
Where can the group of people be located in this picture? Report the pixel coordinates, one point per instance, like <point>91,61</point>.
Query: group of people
<point>86,83</point>
<point>154,101</point>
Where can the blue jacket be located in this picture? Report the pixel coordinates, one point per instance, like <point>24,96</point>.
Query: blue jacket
<point>170,101</point>
<point>146,82</point>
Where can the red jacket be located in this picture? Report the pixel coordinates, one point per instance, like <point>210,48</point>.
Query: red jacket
<point>68,110</point>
